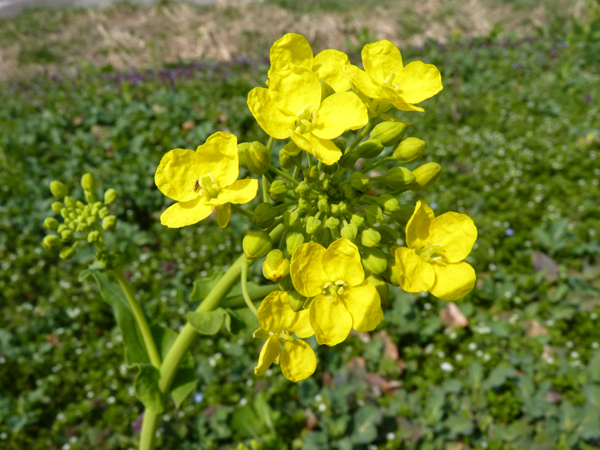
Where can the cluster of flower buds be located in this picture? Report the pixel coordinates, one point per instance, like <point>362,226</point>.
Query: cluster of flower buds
<point>81,222</point>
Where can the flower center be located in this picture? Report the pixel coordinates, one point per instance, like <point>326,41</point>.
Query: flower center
<point>389,82</point>
<point>334,289</point>
<point>429,251</point>
<point>283,335</point>
<point>206,187</point>
<point>305,120</point>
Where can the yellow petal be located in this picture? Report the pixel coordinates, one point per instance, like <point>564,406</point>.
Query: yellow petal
<point>261,333</point>
<point>338,113</point>
<point>268,355</point>
<point>342,261</point>
<point>323,149</point>
<point>177,174</point>
<point>453,281</point>
<point>239,192</point>
<point>364,305</point>
<point>381,59</point>
<point>415,274</point>
<point>293,88</point>
<point>224,215</point>
<point>298,360</point>
<point>185,213</point>
<point>418,82</point>
<point>404,106</point>
<point>330,319</point>
<point>306,269</point>
<point>456,233</point>
<point>219,158</point>
<point>362,82</point>
<point>275,314</point>
<point>292,48</point>
<point>329,66</point>
<point>272,120</point>
<point>417,228</point>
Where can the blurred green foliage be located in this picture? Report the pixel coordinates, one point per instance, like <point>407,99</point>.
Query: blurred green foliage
<point>517,130</point>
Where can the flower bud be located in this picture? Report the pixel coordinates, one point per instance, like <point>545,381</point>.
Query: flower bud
<point>81,227</point>
<point>242,147</point>
<point>382,288</point>
<point>62,227</point>
<point>90,197</point>
<point>389,133</point>
<point>296,300</point>
<point>103,212</point>
<point>293,240</point>
<point>349,232</point>
<point>332,223</point>
<point>370,148</point>
<point>88,183</point>
<point>93,236</point>
<point>303,205</point>
<point>403,215</point>
<point>264,215</point>
<point>70,202</point>
<point>286,284</point>
<point>109,223</point>
<point>425,175</point>
<point>79,206</point>
<point>57,207</point>
<point>388,203</point>
<point>326,90</point>
<point>357,220</point>
<point>311,174</point>
<point>409,150</point>
<point>67,253</point>
<point>399,178</point>
<point>391,274</point>
<point>223,215</point>
<point>109,197</point>
<point>370,237</point>
<point>349,191</point>
<point>256,244</point>
<point>67,236</point>
<point>290,219</point>
<point>340,143</point>
<point>329,170</point>
<point>348,160</point>
<point>52,242</point>
<point>58,189</point>
<point>313,225</point>
<point>374,260</point>
<point>292,149</point>
<point>359,182</point>
<point>276,267</point>
<point>278,190</point>
<point>258,158</point>
<point>323,205</point>
<point>388,235</point>
<point>286,161</point>
<point>373,215</point>
<point>51,223</point>
<point>303,189</point>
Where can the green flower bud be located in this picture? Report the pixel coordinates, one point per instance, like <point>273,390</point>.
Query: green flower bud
<point>67,236</point>
<point>256,244</point>
<point>374,260</point>
<point>67,253</point>
<point>391,274</point>
<point>73,216</point>
<point>81,227</point>
<point>58,189</point>
<point>286,284</point>
<point>57,207</point>
<point>332,223</point>
<point>65,213</point>
<point>90,197</point>
<point>382,288</point>
<point>88,183</point>
<point>62,227</point>
<point>72,224</point>
<point>323,205</point>
<point>303,189</point>
<point>330,170</point>
<point>109,223</point>
<point>93,236</point>
<point>311,174</point>
<point>349,191</point>
<point>357,220</point>
<point>51,223</point>
<point>79,206</point>
<point>313,225</point>
<point>278,190</point>
<point>242,147</point>
<point>389,133</point>
<point>425,175</point>
<point>109,197</point>
<point>303,205</point>
<point>403,215</point>
<point>103,212</point>
<point>348,160</point>
<point>290,219</point>
<point>409,150</point>
<point>296,300</point>
<point>258,158</point>
<point>293,240</point>
<point>70,202</point>
<point>399,178</point>
<point>370,237</point>
<point>90,221</point>
<point>264,215</point>
<point>370,148</point>
<point>286,161</point>
<point>388,235</point>
<point>52,243</point>
<point>373,215</point>
<point>292,149</point>
<point>349,231</point>
<point>326,90</point>
<point>340,143</point>
<point>359,182</point>
<point>335,210</point>
<point>276,266</point>
<point>388,203</point>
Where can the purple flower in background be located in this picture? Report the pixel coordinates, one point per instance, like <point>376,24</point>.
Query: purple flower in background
<point>509,231</point>
<point>198,397</point>
<point>433,205</point>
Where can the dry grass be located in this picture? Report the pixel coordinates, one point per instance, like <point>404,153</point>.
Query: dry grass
<point>133,37</point>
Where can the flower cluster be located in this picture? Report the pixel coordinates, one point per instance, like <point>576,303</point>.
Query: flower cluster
<point>327,224</point>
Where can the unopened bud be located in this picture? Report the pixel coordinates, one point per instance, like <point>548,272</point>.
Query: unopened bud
<point>51,223</point>
<point>70,202</point>
<point>292,149</point>
<point>329,170</point>
<point>357,219</point>
<point>349,232</point>
<point>276,267</point>
<point>425,175</point>
<point>296,300</point>
<point>93,236</point>
<point>258,158</point>
<point>359,182</point>
<point>391,274</point>
<point>242,154</point>
<point>67,253</point>
<point>370,148</point>
<point>103,212</point>
<point>370,238</point>
<point>67,236</point>
<point>256,244</point>
<point>382,288</point>
<point>389,133</point>
<point>62,227</point>
<point>323,205</point>
<point>52,243</point>
<point>399,178</point>
<point>57,207</point>
<point>58,189</point>
<point>223,215</point>
<point>311,174</point>
<point>326,90</point>
<point>348,160</point>
<point>286,284</point>
<point>293,240</point>
<point>303,189</point>
<point>388,235</point>
<point>388,203</point>
<point>313,225</point>
<point>88,183</point>
<point>109,197</point>
<point>409,150</point>
<point>374,260</point>
<point>340,143</point>
<point>278,190</point>
<point>332,223</point>
<point>290,219</point>
<point>403,215</point>
<point>286,161</point>
<point>264,215</point>
<point>81,227</point>
<point>109,223</point>
<point>373,215</point>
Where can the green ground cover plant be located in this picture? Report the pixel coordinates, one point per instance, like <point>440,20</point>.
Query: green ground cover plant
<point>517,366</point>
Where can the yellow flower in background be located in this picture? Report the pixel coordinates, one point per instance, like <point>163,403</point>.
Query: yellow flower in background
<point>328,65</point>
<point>436,247</point>
<point>292,107</point>
<point>388,82</point>
<point>277,324</point>
<point>203,180</point>
<point>343,299</point>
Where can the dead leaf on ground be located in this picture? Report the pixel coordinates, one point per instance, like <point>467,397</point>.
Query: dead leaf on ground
<point>453,317</point>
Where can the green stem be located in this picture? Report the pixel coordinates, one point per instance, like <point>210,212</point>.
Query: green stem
<point>258,293</point>
<point>241,210</point>
<point>140,318</point>
<point>372,122</point>
<point>283,174</point>
<point>270,143</point>
<point>247,298</point>
<point>148,433</point>
<point>378,163</point>
<point>265,189</point>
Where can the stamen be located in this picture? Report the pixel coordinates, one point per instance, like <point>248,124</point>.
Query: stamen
<point>340,282</point>
<point>341,290</point>
<point>327,285</point>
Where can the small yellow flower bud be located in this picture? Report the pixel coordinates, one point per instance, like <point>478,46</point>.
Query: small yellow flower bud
<point>399,178</point>
<point>349,231</point>
<point>103,212</point>
<point>88,183</point>
<point>348,160</point>
<point>57,207</point>
<point>51,223</point>
<point>296,300</point>
<point>389,133</point>
<point>374,260</point>
<point>293,240</point>
<point>373,215</point>
<point>370,148</point>
<point>58,189</point>
<point>223,215</point>
<point>70,202</point>
<point>257,244</point>
<point>90,197</point>
<point>359,182</point>
<point>258,158</point>
<point>332,223</point>
<point>109,223</point>
<point>81,227</point>
<point>93,236</point>
<point>276,266</point>
<point>388,235</point>
<point>370,238</point>
<point>67,253</point>
<point>313,225</point>
<point>264,215</point>
<point>388,203</point>
<point>67,236</point>
<point>382,288</point>
<point>62,227</point>
<point>292,149</point>
<point>278,190</point>
<point>80,206</point>
<point>290,219</point>
<point>425,175</point>
<point>357,220</point>
<point>403,215</point>
<point>286,284</point>
<point>52,243</point>
<point>409,150</point>
<point>90,221</point>
<point>323,205</point>
<point>109,197</point>
<point>286,161</point>
<point>340,143</point>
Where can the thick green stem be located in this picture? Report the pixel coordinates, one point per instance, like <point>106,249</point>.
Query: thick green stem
<point>140,318</point>
<point>265,189</point>
<point>244,281</point>
<point>148,433</point>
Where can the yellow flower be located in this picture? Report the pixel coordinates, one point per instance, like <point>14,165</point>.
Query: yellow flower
<point>388,82</point>
<point>203,180</point>
<point>328,65</point>
<point>292,107</point>
<point>277,323</point>
<point>343,299</point>
<point>436,247</point>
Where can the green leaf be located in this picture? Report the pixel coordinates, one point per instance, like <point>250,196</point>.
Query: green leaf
<point>590,425</point>
<point>499,375</point>
<point>365,424</point>
<point>240,321</point>
<point>591,392</point>
<point>203,286</point>
<point>459,425</point>
<point>594,367</point>
<point>207,322</point>
<point>247,423</point>
<point>569,416</point>
<point>146,388</point>
<point>475,374</point>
